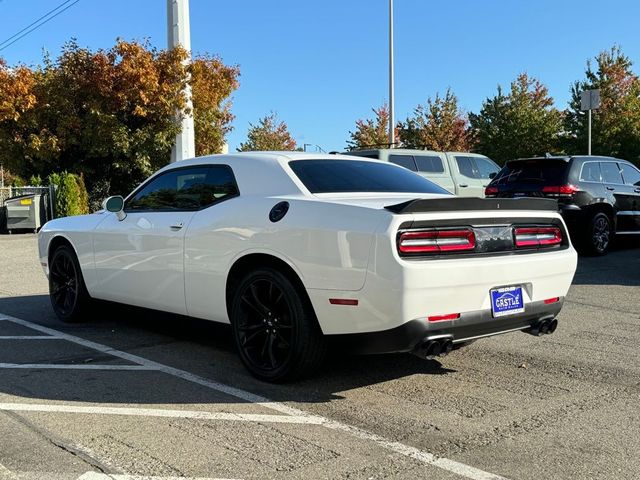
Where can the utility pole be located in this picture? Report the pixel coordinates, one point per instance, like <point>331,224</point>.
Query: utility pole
<point>392,133</point>
<point>178,33</point>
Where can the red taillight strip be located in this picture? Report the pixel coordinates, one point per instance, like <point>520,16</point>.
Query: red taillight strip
<point>343,301</point>
<point>435,241</point>
<point>537,236</point>
<point>442,318</point>
<point>549,301</point>
<point>560,189</point>
<point>490,191</point>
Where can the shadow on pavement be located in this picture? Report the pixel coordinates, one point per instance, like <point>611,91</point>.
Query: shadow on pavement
<point>621,266</point>
<point>168,339</point>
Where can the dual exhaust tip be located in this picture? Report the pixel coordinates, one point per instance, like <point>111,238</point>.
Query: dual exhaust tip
<point>431,349</point>
<point>543,327</point>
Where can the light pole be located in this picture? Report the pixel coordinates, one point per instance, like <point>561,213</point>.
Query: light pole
<point>392,133</point>
<point>178,33</point>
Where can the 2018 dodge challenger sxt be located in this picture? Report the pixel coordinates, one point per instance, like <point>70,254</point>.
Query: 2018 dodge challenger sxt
<point>296,249</point>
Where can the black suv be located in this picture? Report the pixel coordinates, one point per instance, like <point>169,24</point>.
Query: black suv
<point>597,196</point>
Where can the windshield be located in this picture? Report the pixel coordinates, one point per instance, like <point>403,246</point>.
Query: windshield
<point>533,171</point>
<point>330,176</point>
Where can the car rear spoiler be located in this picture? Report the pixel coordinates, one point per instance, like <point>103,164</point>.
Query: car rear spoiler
<point>456,204</point>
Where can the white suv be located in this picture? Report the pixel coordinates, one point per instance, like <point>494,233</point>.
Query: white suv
<point>463,174</point>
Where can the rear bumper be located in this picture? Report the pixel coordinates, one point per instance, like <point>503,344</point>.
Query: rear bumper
<point>470,326</point>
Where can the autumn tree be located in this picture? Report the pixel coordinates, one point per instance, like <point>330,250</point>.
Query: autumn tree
<point>438,125</point>
<point>371,133</point>
<point>616,124</point>
<point>212,83</point>
<point>110,115</point>
<point>520,123</point>
<point>269,133</point>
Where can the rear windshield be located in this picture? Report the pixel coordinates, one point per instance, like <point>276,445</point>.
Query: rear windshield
<point>533,171</point>
<point>329,176</point>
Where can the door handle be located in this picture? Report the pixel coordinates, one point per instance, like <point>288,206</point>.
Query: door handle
<point>463,185</point>
<point>637,190</point>
<point>177,226</point>
<point>610,188</point>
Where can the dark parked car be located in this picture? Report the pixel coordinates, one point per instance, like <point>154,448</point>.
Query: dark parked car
<point>597,196</point>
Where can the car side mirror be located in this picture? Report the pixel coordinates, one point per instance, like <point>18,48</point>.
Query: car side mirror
<point>115,205</point>
<point>492,175</point>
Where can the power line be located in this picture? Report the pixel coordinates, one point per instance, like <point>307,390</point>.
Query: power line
<point>38,23</point>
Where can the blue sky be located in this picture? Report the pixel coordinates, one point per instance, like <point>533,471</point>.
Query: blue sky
<point>322,64</point>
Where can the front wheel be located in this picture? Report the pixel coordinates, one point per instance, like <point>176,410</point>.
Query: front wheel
<point>275,328</point>
<point>67,291</point>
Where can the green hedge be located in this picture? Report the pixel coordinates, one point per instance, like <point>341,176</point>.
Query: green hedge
<point>71,196</point>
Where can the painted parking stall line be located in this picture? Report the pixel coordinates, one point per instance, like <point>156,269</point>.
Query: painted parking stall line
<point>422,456</point>
<point>73,366</point>
<point>157,412</point>
<point>106,476</point>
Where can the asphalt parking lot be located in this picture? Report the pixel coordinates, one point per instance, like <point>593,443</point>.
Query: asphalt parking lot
<point>137,394</point>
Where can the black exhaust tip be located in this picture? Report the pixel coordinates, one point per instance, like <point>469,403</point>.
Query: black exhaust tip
<point>544,327</point>
<point>433,348</point>
<point>553,324</point>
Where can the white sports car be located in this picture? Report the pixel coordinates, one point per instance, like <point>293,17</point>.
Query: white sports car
<point>295,249</point>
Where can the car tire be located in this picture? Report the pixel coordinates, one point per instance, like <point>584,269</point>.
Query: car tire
<point>599,234</point>
<point>274,327</point>
<point>67,290</point>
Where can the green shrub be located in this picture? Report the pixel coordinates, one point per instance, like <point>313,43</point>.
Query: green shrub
<point>71,195</point>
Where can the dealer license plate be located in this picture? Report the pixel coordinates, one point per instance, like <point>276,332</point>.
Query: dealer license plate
<point>506,301</point>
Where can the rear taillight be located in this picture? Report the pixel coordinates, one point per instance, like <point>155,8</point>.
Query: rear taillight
<point>490,191</point>
<point>537,236</point>
<point>437,241</point>
<point>558,190</point>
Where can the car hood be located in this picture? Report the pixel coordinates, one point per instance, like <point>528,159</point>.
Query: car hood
<point>376,201</point>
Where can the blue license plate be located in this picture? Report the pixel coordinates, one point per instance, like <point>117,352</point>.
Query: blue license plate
<point>506,301</point>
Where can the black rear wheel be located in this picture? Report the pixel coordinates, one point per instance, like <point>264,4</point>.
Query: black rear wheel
<point>274,327</point>
<point>599,234</point>
<point>67,291</point>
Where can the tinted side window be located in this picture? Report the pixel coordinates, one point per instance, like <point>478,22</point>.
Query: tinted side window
<point>466,166</point>
<point>405,161</point>
<point>610,172</point>
<point>590,172</point>
<point>185,189</point>
<point>429,164</point>
<point>630,174</point>
<point>485,167</point>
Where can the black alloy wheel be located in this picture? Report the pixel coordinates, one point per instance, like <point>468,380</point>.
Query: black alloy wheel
<point>67,290</point>
<point>274,327</point>
<point>600,234</point>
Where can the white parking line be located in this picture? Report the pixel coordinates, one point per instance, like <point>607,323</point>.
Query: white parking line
<point>158,412</point>
<point>105,476</point>
<point>28,337</point>
<point>72,366</point>
<point>397,447</point>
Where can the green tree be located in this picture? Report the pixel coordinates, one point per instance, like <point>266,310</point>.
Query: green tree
<point>70,194</point>
<point>371,133</point>
<point>616,124</point>
<point>438,125</point>
<point>269,134</point>
<point>521,123</point>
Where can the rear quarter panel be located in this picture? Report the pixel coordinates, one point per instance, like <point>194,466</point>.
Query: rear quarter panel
<point>327,245</point>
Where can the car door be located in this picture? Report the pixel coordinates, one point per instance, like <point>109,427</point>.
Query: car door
<point>433,166</point>
<point>140,260</point>
<point>466,177</point>
<point>631,177</point>
<point>621,196</point>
